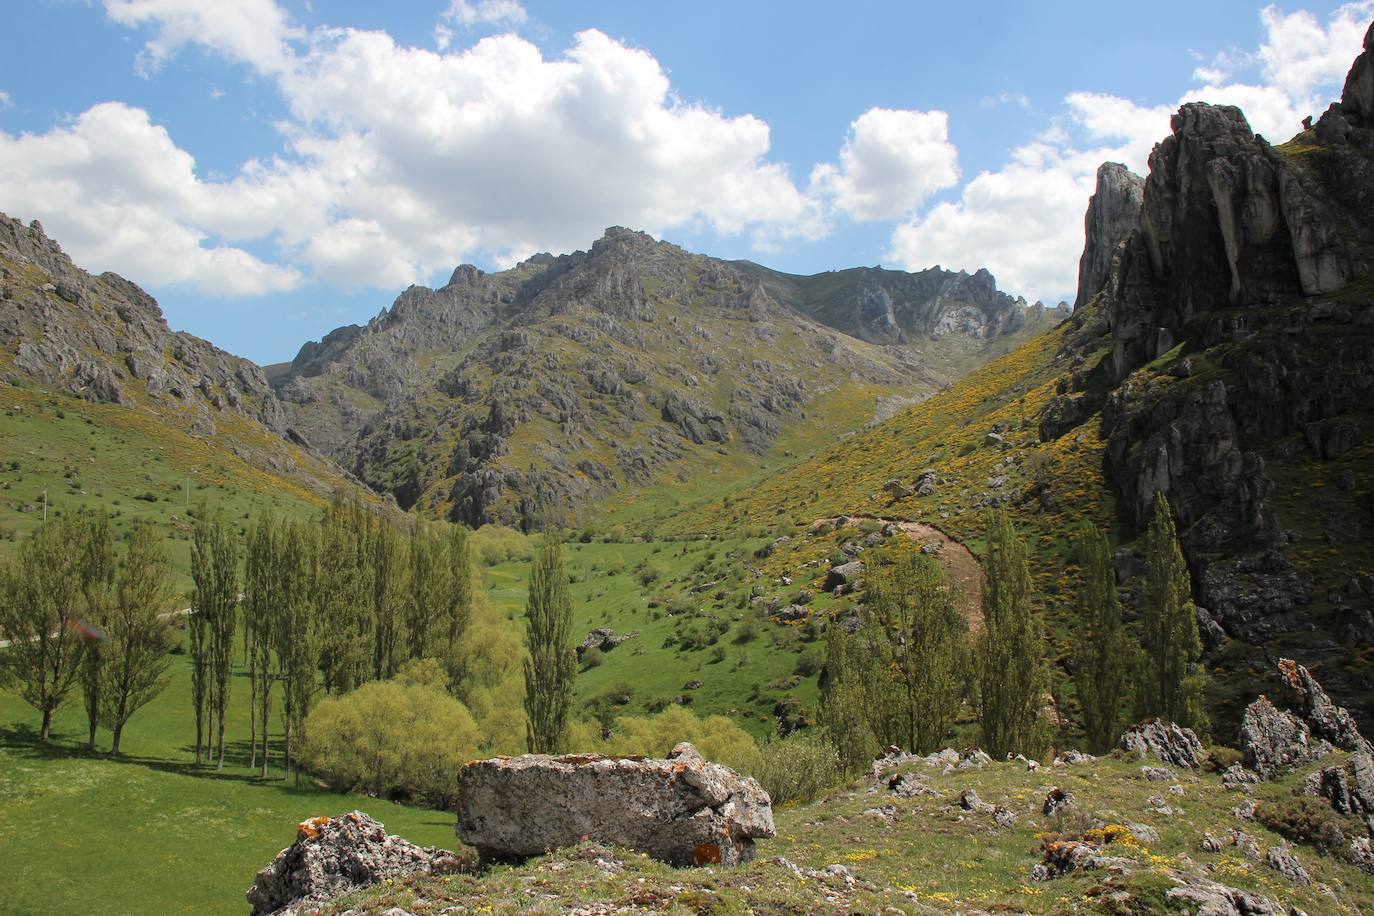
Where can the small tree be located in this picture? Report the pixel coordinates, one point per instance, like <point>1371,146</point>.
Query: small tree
<point>40,596</point>
<point>344,598</point>
<point>262,592</point>
<point>1101,651</point>
<point>1170,680</point>
<point>97,590</point>
<point>1010,659</point>
<point>551,666</point>
<point>140,636</point>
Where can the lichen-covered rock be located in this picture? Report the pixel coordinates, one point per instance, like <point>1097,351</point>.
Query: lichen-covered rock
<point>1274,740</point>
<point>1208,898</point>
<point>1168,741</point>
<point>681,810</point>
<point>334,855</point>
<point>1300,692</point>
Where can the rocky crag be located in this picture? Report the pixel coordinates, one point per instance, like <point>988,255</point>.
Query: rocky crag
<point>1238,322</point>
<point>103,339</point>
<point>525,395</point>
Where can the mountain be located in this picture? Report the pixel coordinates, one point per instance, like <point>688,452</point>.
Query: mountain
<point>1222,355</point>
<point>527,395</point>
<point>104,402</point>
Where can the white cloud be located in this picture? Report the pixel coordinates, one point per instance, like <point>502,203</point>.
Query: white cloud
<point>5,100</point>
<point>891,162</point>
<point>111,186</point>
<point>1024,222</point>
<point>485,12</point>
<point>254,31</point>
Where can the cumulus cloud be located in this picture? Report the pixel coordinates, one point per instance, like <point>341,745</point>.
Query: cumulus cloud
<point>114,187</point>
<point>257,32</point>
<point>1024,221</point>
<point>891,162</point>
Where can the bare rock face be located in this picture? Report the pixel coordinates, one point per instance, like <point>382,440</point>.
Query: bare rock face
<point>334,855</point>
<point>1274,740</point>
<point>1168,741</point>
<point>1300,692</point>
<point>1113,214</point>
<point>1358,97</point>
<point>681,810</point>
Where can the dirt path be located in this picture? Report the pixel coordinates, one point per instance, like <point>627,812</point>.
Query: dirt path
<point>961,567</point>
<point>5,643</point>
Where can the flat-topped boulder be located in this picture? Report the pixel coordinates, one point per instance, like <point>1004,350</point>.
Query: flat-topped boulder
<point>682,810</point>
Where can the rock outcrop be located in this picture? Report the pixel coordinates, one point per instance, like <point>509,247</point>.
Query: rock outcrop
<point>1274,740</point>
<point>1166,741</point>
<point>1113,214</point>
<point>681,810</point>
<point>335,855</point>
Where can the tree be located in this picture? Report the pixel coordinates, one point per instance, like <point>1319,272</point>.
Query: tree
<point>97,590</point>
<point>41,594</point>
<point>344,597</point>
<point>386,559</point>
<point>458,603</point>
<point>901,678</point>
<point>214,613</point>
<point>1170,680</point>
<point>1101,651</point>
<point>140,635</point>
<point>552,663</point>
<point>430,584</point>
<point>1012,675</point>
<point>261,600</point>
<point>296,631</point>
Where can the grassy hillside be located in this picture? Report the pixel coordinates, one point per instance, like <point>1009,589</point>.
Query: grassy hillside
<point>133,463</point>
<point>864,849</point>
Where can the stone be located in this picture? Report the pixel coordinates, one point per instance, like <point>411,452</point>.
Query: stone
<point>1209,898</point>
<point>846,574</point>
<point>1158,774</point>
<point>1057,802</point>
<point>1357,98</point>
<point>604,639</point>
<point>1168,741</point>
<point>1113,214</point>
<point>1300,692</point>
<point>969,801</point>
<point>1281,859</point>
<point>898,490</point>
<point>335,855</point>
<point>1274,740</point>
<point>681,810</point>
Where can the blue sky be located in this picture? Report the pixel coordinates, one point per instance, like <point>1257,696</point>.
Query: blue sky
<point>271,169</point>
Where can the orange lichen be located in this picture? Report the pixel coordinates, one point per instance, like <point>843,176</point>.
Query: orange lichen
<point>706,854</point>
<point>309,829</point>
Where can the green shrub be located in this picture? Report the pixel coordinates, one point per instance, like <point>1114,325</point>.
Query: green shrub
<point>798,768</point>
<point>1220,758</point>
<point>403,737</point>
<point>809,662</point>
<point>592,658</point>
<point>1304,819</point>
<point>650,571</point>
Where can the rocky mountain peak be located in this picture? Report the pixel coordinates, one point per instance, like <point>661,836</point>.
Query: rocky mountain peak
<point>1113,214</point>
<point>1357,98</point>
<point>465,274</point>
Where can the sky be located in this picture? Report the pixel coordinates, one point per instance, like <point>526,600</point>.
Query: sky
<point>273,169</point>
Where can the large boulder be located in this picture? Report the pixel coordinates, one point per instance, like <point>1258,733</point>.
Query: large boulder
<point>681,810</point>
<point>846,574</point>
<point>1168,741</point>
<point>334,855</point>
<point>1274,740</point>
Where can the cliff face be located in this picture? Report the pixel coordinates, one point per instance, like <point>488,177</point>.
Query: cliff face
<point>524,395</point>
<point>1113,214</point>
<point>1240,323</point>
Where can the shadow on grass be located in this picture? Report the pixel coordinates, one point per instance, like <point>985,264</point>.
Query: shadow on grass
<point>24,741</point>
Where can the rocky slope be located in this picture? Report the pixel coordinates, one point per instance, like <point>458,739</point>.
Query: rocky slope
<point>103,339</point>
<point>1224,357</point>
<point>526,395</point>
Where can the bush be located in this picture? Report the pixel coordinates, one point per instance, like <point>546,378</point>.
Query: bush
<point>716,737</point>
<point>650,571</point>
<point>402,737</point>
<point>1304,819</point>
<point>810,662</point>
<point>494,544</point>
<point>798,768</point>
<point>592,658</point>
<point>1220,758</point>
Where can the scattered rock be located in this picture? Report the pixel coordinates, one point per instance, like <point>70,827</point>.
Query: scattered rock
<point>604,639</point>
<point>969,801</point>
<point>1208,898</point>
<point>846,574</point>
<point>1281,859</point>
<point>1057,802</point>
<point>1171,743</point>
<point>1158,774</point>
<point>681,810</point>
<point>334,855</point>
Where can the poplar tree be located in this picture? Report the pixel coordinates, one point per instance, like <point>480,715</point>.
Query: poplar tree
<point>140,635</point>
<point>430,583</point>
<point>343,598</point>
<point>214,614</point>
<point>261,598</point>
<point>458,603</point>
<point>1012,675</point>
<point>1170,680</point>
<point>1101,651</point>
<point>40,593</point>
<point>97,590</point>
<point>551,666</point>
<point>297,633</point>
<point>386,559</point>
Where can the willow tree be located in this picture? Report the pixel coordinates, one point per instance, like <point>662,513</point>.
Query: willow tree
<point>1012,675</point>
<point>551,666</point>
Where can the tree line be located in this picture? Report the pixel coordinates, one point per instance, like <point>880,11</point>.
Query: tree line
<point>904,675</point>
